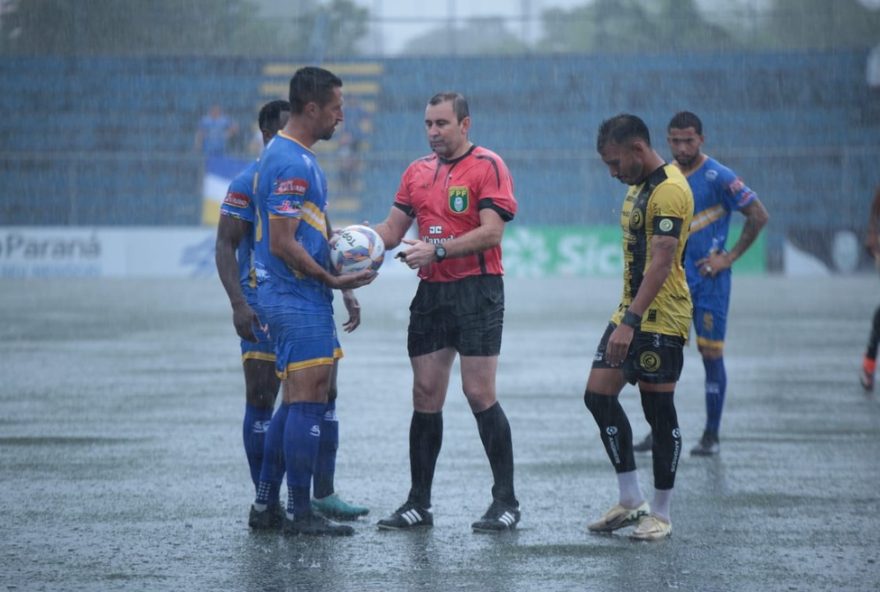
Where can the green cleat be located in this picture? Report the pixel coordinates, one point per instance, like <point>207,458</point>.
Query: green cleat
<point>336,508</point>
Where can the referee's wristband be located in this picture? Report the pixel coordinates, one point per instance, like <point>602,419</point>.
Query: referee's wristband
<point>631,319</point>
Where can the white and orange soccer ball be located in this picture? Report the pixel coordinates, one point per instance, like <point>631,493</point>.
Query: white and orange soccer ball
<point>357,248</point>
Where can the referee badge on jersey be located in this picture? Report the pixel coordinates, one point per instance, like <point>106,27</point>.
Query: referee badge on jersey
<point>458,200</point>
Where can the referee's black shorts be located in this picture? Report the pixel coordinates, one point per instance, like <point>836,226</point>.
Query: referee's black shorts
<point>466,314</point>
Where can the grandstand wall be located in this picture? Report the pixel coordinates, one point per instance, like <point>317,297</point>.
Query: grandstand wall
<point>109,141</point>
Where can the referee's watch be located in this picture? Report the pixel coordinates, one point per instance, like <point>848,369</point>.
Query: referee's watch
<point>440,252</point>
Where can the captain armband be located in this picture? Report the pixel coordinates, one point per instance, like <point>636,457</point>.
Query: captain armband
<point>667,226</point>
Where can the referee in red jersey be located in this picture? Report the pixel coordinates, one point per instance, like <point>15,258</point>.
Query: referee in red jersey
<point>460,197</point>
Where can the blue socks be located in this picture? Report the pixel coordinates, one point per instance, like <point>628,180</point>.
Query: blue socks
<point>272,471</point>
<point>325,465</point>
<point>716,387</point>
<point>302,436</point>
<point>254,428</point>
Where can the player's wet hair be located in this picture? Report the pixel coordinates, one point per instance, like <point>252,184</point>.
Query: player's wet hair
<point>685,119</point>
<point>622,128</point>
<point>270,115</point>
<point>459,103</point>
<point>312,85</point>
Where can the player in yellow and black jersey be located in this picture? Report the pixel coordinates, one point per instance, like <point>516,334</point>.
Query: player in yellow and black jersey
<point>644,341</point>
<point>657,207</point>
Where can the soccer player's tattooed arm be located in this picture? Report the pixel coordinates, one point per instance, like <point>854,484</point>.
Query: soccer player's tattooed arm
<point>663,249</point>
<point>283,244</point>
<point>230,232</point>
<point>756,218</point>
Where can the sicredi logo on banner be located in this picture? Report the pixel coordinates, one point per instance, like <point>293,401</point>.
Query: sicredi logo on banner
<point>49,253</point>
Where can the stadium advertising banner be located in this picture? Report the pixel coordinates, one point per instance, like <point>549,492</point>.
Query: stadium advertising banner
<point>46,252</point>
<point>529,251</point>
<point>543,251</point>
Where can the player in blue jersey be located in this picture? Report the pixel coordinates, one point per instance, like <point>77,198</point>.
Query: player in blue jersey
<point>294,291</point>
<point>872,242</point>
<point>717,193</point>
<point>233,254</point>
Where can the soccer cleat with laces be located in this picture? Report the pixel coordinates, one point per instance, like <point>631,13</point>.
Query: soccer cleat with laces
<point>315,525</point>
<point>707,446</point>
<point>268,519</point>
<point>498,518</point>
<point>619,517</point>
<point>651,528</point>
<point>409,515</point>
<point>645,445</point>
<point>336,508</point>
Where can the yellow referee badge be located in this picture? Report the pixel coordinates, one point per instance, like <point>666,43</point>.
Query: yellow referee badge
<point>665,225</point>
<point>458,199</point>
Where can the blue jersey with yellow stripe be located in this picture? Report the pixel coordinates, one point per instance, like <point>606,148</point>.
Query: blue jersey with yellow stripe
<point>291,184</point>
<point>717,192</point>
<point>239,203</point>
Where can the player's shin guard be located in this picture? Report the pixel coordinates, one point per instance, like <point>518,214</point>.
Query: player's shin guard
<point>325,465</point>
<point>253,430</point>
<point>716,388</point>
<point>614,429</point>
<point>425,440</point>
<point>660,412</point>
<point>302,436</point>
<point>272,470</point>
<point>495,433</point>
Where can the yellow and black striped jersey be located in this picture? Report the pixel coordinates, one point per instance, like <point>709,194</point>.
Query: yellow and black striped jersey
<point>662,205</point>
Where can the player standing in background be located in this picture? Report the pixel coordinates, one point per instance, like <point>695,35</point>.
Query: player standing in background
<point>233,256</point>
<point>460,197</point>
<point>234,259</point>
<point>717,193</point>
<point>869,362</point>
<point>645,337</point>
<point>294,290</point>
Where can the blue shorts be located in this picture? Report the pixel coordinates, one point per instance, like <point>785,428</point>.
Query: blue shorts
<point>264,348</point>
<point>302,339</point>
<point>711,298</point>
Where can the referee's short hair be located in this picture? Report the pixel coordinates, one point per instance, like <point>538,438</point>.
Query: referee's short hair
<point>459,103</point>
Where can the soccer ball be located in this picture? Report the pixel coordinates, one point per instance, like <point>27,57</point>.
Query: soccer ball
<point>357,248</point>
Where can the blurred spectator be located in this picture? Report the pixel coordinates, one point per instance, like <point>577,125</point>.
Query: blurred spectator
<point>215,132</point>
<point>349,162</point>
<point>357,123</point>
<point>872,242</point>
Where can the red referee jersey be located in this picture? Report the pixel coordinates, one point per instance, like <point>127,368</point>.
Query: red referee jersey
<point>445,198</point>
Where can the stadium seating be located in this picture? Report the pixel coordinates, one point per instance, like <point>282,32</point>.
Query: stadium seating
<point>107,140</point>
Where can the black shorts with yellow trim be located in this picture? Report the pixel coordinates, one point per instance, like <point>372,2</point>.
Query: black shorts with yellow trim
<point>652,357</point>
